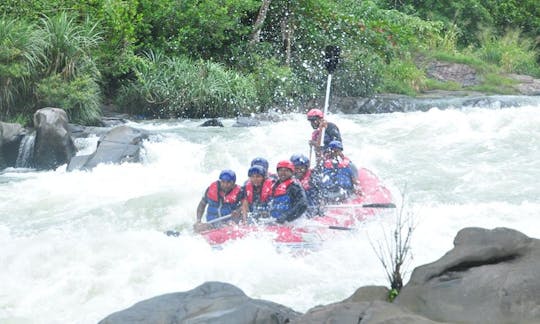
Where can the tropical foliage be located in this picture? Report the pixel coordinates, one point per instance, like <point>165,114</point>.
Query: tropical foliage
<point>233,57</point>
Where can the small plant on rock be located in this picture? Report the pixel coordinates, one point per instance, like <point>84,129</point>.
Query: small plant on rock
<point>395,252</point>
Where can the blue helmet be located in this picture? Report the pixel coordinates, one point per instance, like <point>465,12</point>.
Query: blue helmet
<point>260,161</point>
<point>256,169</point>
<point>227,175</point>
<point>335,145</point>
<point>299,160</point>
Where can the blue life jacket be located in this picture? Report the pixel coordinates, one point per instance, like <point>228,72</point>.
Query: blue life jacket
<point>281,201</point>
<point>219,203</point>
<point>336,177</point>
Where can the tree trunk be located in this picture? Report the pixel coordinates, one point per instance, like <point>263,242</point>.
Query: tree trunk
<point>261,17</point>
<point>287,31</point>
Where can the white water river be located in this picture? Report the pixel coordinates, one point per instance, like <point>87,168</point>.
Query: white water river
<point>75,247</point>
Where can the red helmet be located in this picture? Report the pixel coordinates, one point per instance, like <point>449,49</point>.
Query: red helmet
<point>285,164</point>
<point>314,114</point>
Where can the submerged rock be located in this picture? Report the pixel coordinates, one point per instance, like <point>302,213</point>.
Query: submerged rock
<point>120,144</point>
<point>11,136</point>
<point>212,123</point>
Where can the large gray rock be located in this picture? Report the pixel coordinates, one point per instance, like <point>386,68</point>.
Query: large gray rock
<point>490,276</point>
<point>375,312</point>
<point>10,140</point>
<point>212,302</point>
<point>53,143</point>
<point>456,72</point>
<point>368,305</point>
<point>526,85</point>
<point>120,144</point>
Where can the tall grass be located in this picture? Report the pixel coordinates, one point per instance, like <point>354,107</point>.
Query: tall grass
<point>49,64</point>
<point>69,76</point>
<point>19,50</point>
<point>511,52</point>
<point>179,87</point>
<point>403,77</point>
<point>67,46</point>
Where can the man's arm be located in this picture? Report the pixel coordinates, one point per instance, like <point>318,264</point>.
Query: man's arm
<point>200,209</point>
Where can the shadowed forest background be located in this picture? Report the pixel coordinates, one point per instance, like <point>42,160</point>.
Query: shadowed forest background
<point>203,59</point>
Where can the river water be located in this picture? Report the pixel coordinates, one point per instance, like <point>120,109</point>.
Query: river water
<point>77,246</point>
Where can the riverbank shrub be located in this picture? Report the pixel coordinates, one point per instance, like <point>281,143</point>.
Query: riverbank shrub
<point>510,52</point>
<point>18,61</point>
<point>79,96</point>
<point>359,74</point>
<point>179,87</point>
<point>49,63</point>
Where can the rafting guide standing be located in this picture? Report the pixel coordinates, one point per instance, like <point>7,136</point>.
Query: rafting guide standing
<point>321,128</point>
<point>324,131</point>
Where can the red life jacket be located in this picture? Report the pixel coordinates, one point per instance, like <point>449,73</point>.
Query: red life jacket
<point>305,180</point>
<point>344,163</point>
<point>281,189</point>
<point>229,198</point>
<point>266,191</point>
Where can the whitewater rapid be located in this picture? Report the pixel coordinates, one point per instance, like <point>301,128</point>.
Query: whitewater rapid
<point>77,246</point>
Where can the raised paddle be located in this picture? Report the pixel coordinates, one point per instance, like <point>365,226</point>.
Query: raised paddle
<point>331,59</point>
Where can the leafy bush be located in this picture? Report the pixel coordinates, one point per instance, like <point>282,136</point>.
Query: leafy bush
<point>403,77</point>
<point>79,97</point>
<point>179,87</point>
<point>18,59</point>
<point>359,74</point>
<point>510,52</point>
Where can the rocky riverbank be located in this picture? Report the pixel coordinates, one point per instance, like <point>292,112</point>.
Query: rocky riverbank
<point>490,276</point>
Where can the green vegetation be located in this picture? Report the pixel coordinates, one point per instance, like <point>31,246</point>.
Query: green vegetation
<point>394,251</point>
<point>212,58</point>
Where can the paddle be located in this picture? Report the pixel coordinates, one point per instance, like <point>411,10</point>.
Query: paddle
<point>374,205</point>
<point>341,228</point>
<point>215,220</point>
<point>331,59</point>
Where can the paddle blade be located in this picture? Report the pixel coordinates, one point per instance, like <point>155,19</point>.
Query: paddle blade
<point>172,233</point>
<point>331,58</point>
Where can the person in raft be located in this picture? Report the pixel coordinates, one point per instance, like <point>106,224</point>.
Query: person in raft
<point>288,197</point>
<point>264,163</point>
<point>257,193</point>
<point>339,176</point>
<point>310,181</point>
<point>331,133</point>
<point>223,198</point>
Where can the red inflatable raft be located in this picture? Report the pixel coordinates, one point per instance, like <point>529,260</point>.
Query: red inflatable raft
<point>310,233</point>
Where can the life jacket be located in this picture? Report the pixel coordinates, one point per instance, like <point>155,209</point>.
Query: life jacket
<point>260,204</point>
<point>311,190</point>
<point>305,180</point>
<point>281,201</point>
<point>219,203</point>
<point>337,176</point>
